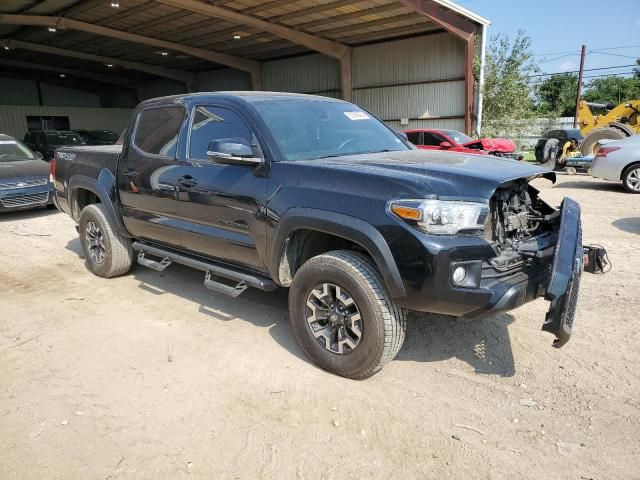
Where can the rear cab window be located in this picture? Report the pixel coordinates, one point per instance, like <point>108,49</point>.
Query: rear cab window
<point>157,130</point>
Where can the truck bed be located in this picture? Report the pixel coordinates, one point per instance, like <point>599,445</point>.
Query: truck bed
<point>89,161</point>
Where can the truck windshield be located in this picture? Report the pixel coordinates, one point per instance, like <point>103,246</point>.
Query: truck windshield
<point>63,138</point>
<point>10,151</point>
<point>313,129</point>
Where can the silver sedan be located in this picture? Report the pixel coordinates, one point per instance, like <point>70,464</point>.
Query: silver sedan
<point>619,160</point>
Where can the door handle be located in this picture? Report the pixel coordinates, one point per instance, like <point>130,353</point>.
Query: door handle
<point>187,181</point>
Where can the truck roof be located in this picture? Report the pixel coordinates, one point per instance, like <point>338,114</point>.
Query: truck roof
<point>239,95</point>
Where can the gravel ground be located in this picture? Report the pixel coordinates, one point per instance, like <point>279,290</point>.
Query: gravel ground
<point>152,376</point>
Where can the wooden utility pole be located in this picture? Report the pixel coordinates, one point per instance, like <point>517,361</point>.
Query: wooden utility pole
<point>583,54</point>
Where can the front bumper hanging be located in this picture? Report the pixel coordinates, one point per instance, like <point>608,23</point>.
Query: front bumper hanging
<point>564,280</point>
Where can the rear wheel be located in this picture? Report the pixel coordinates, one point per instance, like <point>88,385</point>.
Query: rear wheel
<point>631,179</point>
<point>342,315</point>
<point>107,253</point>
<point>590,142</point>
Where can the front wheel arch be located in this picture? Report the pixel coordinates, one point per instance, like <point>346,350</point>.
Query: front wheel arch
<point>348,229</point>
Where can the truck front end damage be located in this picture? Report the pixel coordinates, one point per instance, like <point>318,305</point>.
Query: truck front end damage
<point>526,250</point>
<point>544,246</point>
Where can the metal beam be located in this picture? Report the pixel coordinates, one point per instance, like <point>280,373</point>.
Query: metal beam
<point>71,72</point>
<point>62,23</point>
<point>453,23</point>
<point>468,90</point>
<point>186,77</point>
<point>322,45</point>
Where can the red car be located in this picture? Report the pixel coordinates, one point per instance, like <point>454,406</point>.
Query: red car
<point>452,140</point>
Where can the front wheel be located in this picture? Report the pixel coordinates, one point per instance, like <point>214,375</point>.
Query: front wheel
<point>108,254</point>
<point>342,315</point>
<point>631,179</point>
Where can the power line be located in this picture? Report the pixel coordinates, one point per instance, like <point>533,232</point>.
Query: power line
<point>576,71</point>
<point>594,50</point>
<point>557,58</point>
<point>613,54</point>
<point>598,75</point>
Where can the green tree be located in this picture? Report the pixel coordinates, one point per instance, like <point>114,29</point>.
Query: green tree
<point>508,99</point>
<point>612,89</point>
<point>556,95</point>
<point>636,70</point>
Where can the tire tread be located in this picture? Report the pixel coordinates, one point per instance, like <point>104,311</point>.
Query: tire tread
<point>362,268</point>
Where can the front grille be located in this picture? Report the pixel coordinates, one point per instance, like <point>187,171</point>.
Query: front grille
<point>24,200</point>
<point>23,184</point>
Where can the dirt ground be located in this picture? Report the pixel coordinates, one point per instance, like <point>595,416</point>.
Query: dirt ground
<point>152,376</point>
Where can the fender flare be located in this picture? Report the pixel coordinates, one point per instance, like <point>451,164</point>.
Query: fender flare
<point>344,226</point>
<point>100,187</point>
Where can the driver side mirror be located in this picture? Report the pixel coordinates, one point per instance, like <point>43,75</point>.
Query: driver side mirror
<point>445,145</point>
<point>232,151</point>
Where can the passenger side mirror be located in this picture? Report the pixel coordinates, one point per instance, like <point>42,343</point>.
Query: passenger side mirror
<point>232,151</point>
<point>445,145</point>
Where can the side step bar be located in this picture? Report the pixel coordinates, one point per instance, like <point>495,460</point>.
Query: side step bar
<point>168,256</point>
<point>157,266</point>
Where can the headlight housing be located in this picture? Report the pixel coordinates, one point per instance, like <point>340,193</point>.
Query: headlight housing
<point>442,217</point>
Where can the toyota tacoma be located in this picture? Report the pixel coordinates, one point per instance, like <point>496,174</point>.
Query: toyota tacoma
<point>268,190</point>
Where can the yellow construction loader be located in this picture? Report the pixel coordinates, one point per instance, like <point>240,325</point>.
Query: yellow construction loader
<point>616,122</point>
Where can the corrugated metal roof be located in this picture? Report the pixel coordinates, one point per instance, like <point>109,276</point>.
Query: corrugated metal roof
<point>351,22</point>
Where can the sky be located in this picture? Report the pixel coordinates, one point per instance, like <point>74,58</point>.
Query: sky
<point>559,28</point>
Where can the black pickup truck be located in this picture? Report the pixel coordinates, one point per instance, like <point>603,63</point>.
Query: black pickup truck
<point>272,190</point>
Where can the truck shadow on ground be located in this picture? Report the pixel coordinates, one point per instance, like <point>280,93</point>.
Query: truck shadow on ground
<point>483,344</point>
<point>630,224</point>
<point>589,185</point>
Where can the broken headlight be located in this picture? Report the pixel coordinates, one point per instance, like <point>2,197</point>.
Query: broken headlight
<point>442,217</point>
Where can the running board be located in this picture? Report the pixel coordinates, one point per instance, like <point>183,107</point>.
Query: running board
<point>212,269</point>
<point>232,291</point>
<point>153,264</point>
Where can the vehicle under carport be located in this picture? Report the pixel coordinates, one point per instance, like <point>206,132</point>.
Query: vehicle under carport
<point>84,64</point>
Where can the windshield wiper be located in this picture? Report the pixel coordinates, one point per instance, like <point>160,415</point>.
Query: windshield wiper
<point>333,155</point>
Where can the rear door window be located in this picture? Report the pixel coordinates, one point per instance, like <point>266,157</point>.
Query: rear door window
<point>157,130</point>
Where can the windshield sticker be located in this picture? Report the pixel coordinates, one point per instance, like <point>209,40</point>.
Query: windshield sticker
<point>357,115</point>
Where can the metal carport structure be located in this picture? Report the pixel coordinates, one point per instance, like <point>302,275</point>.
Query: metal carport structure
<point>388,55</point>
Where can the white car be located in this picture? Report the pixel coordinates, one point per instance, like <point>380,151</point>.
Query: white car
<point>619,160</point>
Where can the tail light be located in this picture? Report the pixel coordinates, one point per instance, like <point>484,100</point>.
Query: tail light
<point>52,170</point>
<point>604,151</point>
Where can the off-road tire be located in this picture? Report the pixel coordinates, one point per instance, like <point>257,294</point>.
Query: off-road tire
<point>383,325</point>
<point>118,255</point>
<point>593,137</point>
<point>626,180</point>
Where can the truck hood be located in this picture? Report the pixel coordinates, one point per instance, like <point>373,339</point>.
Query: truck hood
<point>24,168</point>
<point>444,174</point>
<point>501,145</point>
